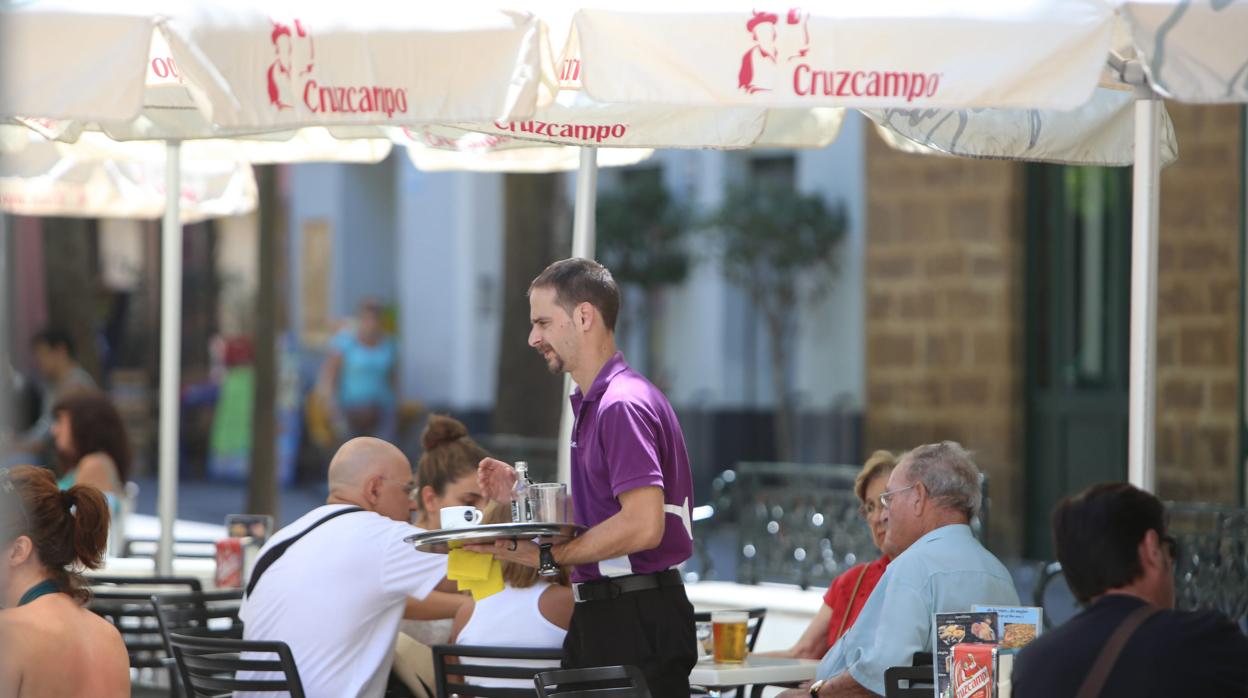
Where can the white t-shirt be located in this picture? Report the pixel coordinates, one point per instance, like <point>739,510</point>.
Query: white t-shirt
<point>511,618</point>
<point>336,597</point>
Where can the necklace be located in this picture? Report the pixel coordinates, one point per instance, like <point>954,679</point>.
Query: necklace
<point>43,588</point>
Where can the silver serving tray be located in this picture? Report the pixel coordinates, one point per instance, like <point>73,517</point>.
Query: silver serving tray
<point>442,541</point>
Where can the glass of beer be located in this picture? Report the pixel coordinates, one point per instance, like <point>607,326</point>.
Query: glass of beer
<point>729,629</point>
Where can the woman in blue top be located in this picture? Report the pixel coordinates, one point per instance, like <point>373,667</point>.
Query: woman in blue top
<point>360,377</point>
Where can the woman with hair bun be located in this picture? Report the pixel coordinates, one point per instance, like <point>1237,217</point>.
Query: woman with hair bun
<point>53,646</point>
<point>446,474</point>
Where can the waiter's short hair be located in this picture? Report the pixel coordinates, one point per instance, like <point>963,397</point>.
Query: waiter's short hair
<point>579,280</point>
<point>1097,535</point>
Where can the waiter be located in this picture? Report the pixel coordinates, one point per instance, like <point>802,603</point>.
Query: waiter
<point>631,487</point>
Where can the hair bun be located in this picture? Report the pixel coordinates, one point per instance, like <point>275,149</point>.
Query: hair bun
<point>442,430</point>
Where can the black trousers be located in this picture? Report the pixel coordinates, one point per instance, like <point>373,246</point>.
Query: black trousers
<point>652,630</point>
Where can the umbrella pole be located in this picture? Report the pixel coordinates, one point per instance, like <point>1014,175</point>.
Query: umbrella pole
<point>1142,404</point>
<point>583,239</point>
<point>170,355</point>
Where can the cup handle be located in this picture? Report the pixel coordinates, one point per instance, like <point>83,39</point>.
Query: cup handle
<point>477,516</point>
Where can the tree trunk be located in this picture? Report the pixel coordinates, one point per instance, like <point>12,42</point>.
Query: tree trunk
<point>780,386</point>
<point>262,485</point>
<point>73,285</point>
<point>528,397</point>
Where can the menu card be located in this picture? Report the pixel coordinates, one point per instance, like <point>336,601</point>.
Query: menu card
<point>952,629</point>
<point>1016,625</point>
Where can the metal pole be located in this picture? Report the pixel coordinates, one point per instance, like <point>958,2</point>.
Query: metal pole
<point>6,398</point>
<point>583,239</point>
<point>1142,407</point>
<point>170,354</point>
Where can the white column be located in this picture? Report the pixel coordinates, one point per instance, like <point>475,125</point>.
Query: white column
<point>583,239</point>
<point>1142,405</point>
<point>170,355</point>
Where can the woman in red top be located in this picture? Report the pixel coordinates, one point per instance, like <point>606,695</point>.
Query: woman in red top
<point>848,592</point>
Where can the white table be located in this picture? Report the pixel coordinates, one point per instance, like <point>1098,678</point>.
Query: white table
<point>202,569</point>
<point>754,670</point>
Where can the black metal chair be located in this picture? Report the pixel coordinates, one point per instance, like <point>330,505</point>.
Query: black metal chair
<point>126,602</point>
<point>208,666</point>
<point>517,663</point>
<point>596,682</point>
<point>918,678</point>
<point>753,626</point>
<point>202,614</point>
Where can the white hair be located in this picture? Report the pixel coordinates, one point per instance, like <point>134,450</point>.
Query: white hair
<point>949,475</point>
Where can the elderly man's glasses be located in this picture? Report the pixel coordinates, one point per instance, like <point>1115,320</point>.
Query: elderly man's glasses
<point>886,497</point>
<point>408,487</point>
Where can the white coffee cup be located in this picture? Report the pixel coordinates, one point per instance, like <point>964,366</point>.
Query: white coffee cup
<point>460,517</point>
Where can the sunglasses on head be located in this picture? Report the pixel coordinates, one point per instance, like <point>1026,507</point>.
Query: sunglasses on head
<point>8,490</point>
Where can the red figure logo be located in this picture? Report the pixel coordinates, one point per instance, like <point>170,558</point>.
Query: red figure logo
<point>281,83</point>
<point>760,65</point>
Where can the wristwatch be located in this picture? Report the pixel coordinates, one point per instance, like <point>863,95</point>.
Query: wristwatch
<point>547,567</point>
<point>814,687</point>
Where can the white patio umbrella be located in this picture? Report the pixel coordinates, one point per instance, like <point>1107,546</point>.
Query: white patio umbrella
<point>100,178</point>
<point>249,70</point>
<point>662,89</point>
<point>440,149</point>
<point>913,56</point>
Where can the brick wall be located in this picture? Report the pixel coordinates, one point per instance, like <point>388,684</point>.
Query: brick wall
<point>1198,308</point>
<point>944,314</point>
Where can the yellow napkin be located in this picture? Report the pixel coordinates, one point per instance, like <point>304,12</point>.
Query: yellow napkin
<point>482,588</point>
<point>466,565</point>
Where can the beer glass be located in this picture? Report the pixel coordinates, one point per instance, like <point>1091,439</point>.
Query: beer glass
<point>729,630</point>
<point>548,502</point>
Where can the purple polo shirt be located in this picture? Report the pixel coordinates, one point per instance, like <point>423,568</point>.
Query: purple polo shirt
<point>626,436</point>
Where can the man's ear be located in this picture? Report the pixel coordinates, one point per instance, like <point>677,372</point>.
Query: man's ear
<point>1151,556</point>
<point>584,316</point>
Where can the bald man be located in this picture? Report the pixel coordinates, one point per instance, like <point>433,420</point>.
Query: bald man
<point>333,584</point>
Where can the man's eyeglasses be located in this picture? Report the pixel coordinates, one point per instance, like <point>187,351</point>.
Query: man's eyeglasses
<point>408,488</point>
<point>886,497</point>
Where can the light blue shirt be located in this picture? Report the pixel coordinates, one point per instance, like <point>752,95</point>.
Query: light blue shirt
<point>946,570</point>
<point>364,378</point>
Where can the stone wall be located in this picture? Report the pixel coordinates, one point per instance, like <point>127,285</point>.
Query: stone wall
<point>944,281</point>
<point>1198,308</point>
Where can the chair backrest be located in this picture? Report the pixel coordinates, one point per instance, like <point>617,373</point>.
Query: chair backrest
<point>203,614</point>
<point>126,602</point>
<point>520,664</point>
<point>752,628</point>
<point>208,666</point>
<point>595,682</point>
<point>918,679</point>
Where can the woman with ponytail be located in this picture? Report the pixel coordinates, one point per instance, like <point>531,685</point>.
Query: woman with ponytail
<point>52,645</point>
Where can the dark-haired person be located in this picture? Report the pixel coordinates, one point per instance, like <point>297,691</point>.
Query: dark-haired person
<point>52,646</point>
<point>60,375</point>
<point>1119,562</point>
<point>91,444</point>
<point>631,486</point>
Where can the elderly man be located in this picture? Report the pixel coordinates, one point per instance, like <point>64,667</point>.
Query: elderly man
<point>932,495</point>
<point>333,585</point>
<point>1128,641</point>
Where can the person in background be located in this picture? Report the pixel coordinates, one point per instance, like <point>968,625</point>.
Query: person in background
<point>528,612</point>
<point>848,593</point>
<point>359,379</point>
<point>932,495</point>
<point>1119,561</point>
<point>53,646</point>
<point>60,375</point>
<point>91,444</point>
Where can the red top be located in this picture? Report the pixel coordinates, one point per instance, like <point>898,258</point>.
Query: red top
<point>838,596</point>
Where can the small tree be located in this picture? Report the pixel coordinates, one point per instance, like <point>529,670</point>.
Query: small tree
<point>640,239</point>
<point>779,246</point>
